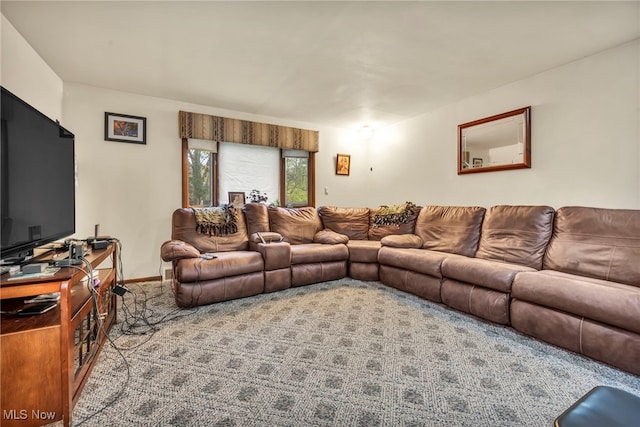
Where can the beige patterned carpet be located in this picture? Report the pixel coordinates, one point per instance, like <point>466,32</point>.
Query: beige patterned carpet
<point>342,353</point>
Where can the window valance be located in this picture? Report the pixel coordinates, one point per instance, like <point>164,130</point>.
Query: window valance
<point>215,128</point>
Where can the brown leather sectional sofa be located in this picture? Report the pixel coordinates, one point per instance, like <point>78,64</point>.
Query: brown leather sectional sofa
<point>570,277</point>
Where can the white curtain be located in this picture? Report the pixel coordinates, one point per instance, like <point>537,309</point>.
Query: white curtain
<point>243,168</point>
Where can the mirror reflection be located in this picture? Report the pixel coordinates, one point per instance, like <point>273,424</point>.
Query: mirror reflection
<point>499,142</point>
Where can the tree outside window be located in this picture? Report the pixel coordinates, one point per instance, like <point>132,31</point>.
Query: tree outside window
<point>200,177</point>
<point>296,181</point>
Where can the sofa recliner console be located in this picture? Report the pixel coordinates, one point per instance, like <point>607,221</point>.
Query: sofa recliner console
<point>570,277</point>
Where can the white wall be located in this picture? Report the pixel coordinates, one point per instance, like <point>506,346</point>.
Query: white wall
<point>351,190</point>
<point>585,144</point>
<point>26,75</point>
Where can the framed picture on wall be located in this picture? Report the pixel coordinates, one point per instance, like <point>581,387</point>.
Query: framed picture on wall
<point>343,164</point>
<point>125,128</point>
<point>236,198</point>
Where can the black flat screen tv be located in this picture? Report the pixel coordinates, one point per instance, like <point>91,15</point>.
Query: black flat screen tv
<point>37,179</point>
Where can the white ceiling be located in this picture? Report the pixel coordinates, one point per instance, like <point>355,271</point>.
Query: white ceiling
<point>335,63</point>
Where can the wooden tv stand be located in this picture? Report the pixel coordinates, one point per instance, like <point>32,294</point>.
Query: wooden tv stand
<point>47,358</point>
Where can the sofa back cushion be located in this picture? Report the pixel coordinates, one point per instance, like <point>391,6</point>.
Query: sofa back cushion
<point>352,222</point>
<point>516,234</point>
<point>183,227</point>
<point>377,232</point>
<point>296,225</point>
<point>594,242</point>
<point>257,218</point>
<point>453,229</point>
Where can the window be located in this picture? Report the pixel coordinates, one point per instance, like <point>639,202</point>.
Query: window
<point>199,170</point>
<point>211,172</point>
<point>200,177</point>
<point>296,178</point>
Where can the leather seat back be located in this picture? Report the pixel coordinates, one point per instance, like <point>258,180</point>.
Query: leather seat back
<point>183,227</point>
<point>452,229</point>
<point>516,234</point>
<point>352,222</point>
<point>595,242</point>
<point>296,225</point>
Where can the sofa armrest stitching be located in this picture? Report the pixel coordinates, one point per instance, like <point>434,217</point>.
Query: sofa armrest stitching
<point>580,337</point>
<point>611,257</point>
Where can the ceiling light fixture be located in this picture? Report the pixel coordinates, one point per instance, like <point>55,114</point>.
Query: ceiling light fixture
<point>366,132</point>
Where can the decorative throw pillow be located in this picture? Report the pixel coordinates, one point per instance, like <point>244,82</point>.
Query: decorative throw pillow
<point>216,220</point>
<point>377,231</point>
<point>395,214</point>
<point>176,249</point>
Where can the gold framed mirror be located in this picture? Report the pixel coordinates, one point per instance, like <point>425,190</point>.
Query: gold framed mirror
<point>495,143</point>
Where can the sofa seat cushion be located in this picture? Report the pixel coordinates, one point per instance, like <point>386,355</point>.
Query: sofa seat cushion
<point>402,241</point>
<point>516,234</point>
<point>363,250</point>
<point>418,260</point>
<point>318,252</point>
<point>611,303</point>
<point>352,222</point>
<point>225,264</point>
<point>488,274</point>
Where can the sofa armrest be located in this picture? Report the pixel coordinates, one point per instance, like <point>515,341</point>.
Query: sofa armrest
<point>329,237</point>
<point>265,237</point>
<point>402,241</point>
<point>174,250</point>
<point>276,255</point>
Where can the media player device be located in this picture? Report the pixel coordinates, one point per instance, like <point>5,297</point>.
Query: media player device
<point>34,268</point>
<point>38,308</point>
<point>98,242</point>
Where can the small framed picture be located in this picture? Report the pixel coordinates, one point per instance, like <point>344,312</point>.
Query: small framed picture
<point>477,162</point>
<point>236,198</point>
<point>343,164</point>
<point>124,128</point>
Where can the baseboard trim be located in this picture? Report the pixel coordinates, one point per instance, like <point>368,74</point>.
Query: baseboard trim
<point>144,279</point>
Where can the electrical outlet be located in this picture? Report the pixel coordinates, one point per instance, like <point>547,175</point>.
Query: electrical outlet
<point>168,274</point>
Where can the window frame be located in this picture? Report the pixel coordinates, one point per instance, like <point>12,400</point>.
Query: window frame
<point>311,180</point>
<point>185,175</point>
<point>215,201</point>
